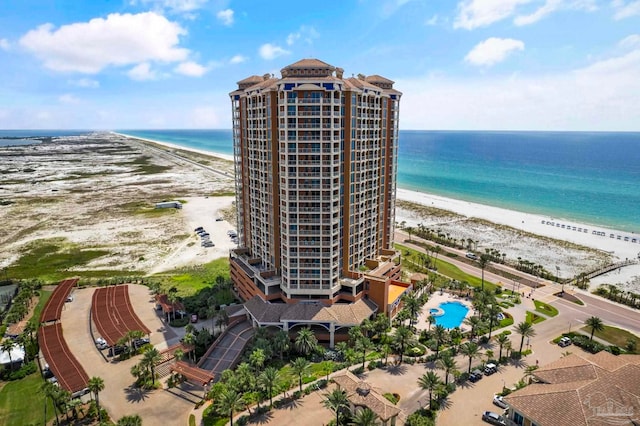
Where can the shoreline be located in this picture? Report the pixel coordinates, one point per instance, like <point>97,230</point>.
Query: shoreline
<point>226,157</point>
<point>527,222</point>
<point>532,223</point>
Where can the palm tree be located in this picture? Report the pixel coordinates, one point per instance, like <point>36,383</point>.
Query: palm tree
<point>132,420</point>
<point>501,339</point>
<point>152,357</point>
<point>484,261</point>
<point>402,338</point>
<point>269,379</point>
<point>300,367</point>
<point>189,341</point>
<point>306,341</point>
<point>412,304</point>
<point>471,351</point>
<point>178,354</point>
<point>475,323</point>
<point>365,417</point>
<point>429,381</point>
<point>448,364</point>
<point>528,372</point>
<point>431,320</point>
<point>594,323</point>
<point>524,329</point>
<point>327,367</point>
<point>228,402</point>
<point>440,334</point>
<point>50,391</point>
<point>96,385</point>
<point>257,359</point>
<point>336,401</point>
<point>280,342</point>
<point>493,311</point>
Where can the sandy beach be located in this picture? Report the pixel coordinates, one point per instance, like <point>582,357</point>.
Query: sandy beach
<point>33,182</point>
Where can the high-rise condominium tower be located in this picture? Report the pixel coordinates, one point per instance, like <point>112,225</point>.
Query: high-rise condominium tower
<point>315,158</point>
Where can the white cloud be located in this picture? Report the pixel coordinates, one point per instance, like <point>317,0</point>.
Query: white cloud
<point>68,99</point>
<point>191,69</point>
<point>89,47</point>
<point>175,6</point>
<point>630,42</point>
<point>225,16</point>
<point>305,33</point>
<point>493,50</point>
<point>270,51</point>
<point>551,6</point>
<point>142,72</point>
<point>603,96</point>
<point>86,83</point>
<point>480,13</point>
<point>4,44</point>
<point>238,59</point>
<point>624,9</point>
<point>432,21</point>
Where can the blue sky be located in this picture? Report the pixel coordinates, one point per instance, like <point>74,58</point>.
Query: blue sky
<point>469,64</point>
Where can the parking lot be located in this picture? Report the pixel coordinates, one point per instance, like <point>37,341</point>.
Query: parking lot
<point>119,397</point>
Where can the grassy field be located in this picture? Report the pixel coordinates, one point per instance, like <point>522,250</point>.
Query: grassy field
<point>48,260</point>
<point>543,308</point>
<point>190,280</point>
<point>44,296</point>
<point>614,335</point>
<point>22,403</point>
<point>449,270</point>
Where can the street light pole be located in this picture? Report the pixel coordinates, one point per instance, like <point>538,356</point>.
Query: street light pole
<point>558,279</point>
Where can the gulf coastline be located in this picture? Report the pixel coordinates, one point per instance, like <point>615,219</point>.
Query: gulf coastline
<point>584,177</point>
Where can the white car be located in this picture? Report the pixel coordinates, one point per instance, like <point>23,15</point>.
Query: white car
<point>499,401</point>
<point>101,343</point>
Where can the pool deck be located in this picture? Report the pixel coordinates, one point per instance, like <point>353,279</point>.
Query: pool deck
<point>434,301</point>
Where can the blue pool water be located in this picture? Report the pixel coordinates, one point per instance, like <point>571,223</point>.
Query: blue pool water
<point>454,313</point>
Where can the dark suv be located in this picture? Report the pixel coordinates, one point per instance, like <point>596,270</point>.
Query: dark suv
<point>475,375</point>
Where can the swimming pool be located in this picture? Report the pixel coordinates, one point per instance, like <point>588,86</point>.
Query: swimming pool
<point>453,314</point>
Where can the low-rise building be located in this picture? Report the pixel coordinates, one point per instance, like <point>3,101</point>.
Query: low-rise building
<point>580,390</point>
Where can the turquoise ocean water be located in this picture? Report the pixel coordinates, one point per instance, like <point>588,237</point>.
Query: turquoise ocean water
<point>591,178</point>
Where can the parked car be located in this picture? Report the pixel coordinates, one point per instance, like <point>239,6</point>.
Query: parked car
<point>69,298</point>
<point>471,256</point>
<point>198,229</point>
<point>499,401</point>
<point>116,350</point>
<point>194,318</point>
<point>475,375</point>
<point>138,343</point>
<point>219,219</point>
<point>101,343</point>
<point>490,368</point>
<point>564,342</point>
<point>493,418</point>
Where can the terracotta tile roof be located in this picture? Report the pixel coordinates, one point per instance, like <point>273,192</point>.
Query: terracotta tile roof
<point>310,63</point>
<point>590,390</point>
<point>378,79</point>
<point>340,313</point>
<point>253,79</point>
<point>360,393</point>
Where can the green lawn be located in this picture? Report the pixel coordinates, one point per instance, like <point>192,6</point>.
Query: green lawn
<point>22,403</point>
<point>190,280</point>
<point>533,318</point>
<point>449,270</point>
<point>44,296</point>
<point>614,335</point>
<point>543,308</point>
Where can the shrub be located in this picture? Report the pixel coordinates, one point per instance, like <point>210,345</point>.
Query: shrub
<point>358,370</point>
<point>373,365</point>
<point>588,345</point>
<point>21,373</point>
<point>614,350</point>
<point>297,394</point>
<point>391,397</point>
<point>179,322</point>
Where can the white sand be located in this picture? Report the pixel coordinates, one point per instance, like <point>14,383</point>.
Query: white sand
<point>530,223</point>
<point>174,146</point>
